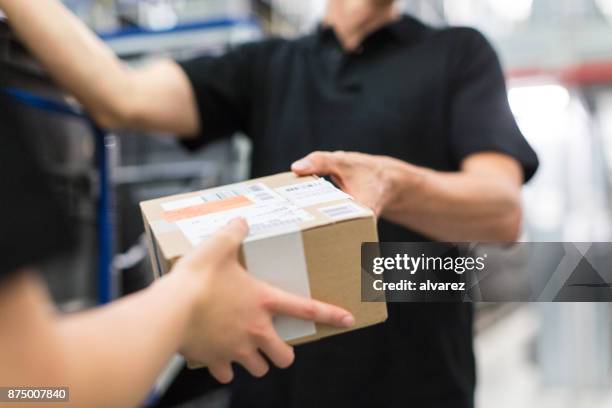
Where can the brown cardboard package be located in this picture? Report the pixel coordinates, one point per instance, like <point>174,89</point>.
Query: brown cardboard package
<point>305,237</point>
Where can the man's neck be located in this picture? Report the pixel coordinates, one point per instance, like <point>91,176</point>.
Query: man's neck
<point>353,20</point>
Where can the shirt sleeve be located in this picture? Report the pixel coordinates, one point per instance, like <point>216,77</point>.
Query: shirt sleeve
<point>480,115</point>
<point>223,87</point>
<point>33,226</point>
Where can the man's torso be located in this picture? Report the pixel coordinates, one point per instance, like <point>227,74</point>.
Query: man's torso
<point>387,99</point>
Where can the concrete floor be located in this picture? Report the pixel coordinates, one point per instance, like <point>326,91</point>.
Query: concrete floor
<point>508,378</point>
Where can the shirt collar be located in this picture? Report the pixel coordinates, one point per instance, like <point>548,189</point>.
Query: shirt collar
<point>404,30</point>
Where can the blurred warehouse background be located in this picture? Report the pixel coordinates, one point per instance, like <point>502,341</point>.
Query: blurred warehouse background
<point>557,55</point>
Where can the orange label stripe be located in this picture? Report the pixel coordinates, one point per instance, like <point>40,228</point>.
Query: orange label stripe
<point>206,208</point>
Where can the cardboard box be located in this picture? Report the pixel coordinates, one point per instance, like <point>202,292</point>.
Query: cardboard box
<point>305,237</point>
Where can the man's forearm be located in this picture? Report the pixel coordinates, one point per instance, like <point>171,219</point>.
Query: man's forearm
<point>157,97</point>
<point>481,202</point>
<point>457,206</point>
<point>73,55</point>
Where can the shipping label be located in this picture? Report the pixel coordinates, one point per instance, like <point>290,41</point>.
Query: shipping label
<point>312,192</point>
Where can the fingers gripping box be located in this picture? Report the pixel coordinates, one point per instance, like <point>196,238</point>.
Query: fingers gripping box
<point>305,237</point>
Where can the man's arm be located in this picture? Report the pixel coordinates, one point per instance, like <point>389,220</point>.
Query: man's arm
<point>110,356</point>
<point>481,202</point>
<point>158,97</point>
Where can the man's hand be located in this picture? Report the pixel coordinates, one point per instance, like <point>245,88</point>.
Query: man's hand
<point>232,314</point>
<point>365,177</point>
<point>480,202</point>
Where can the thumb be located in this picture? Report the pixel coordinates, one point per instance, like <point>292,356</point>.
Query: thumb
<point>225,243</point>
<point>321,163</point>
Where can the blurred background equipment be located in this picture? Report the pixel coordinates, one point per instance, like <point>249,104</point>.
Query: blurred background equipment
<point>558,60</point>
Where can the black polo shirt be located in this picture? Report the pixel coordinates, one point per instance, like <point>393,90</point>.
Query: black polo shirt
<point>33,227</point>
<point>428,96</point>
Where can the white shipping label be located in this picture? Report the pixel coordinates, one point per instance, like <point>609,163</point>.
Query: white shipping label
<point>264,220</point>
<point>183,203</point>
<point>312,192</point>
<point>256,193</point>
<point>343,211</point>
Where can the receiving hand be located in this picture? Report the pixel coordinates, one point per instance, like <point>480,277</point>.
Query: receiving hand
<point>232,314</point>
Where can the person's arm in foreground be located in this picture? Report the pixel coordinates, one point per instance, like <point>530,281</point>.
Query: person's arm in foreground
<point>157,97</point>
<point>208,307</point>
<point>481,202</point>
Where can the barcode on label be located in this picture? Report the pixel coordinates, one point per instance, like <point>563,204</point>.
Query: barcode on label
<point>342,211</point>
